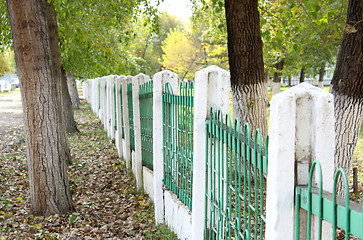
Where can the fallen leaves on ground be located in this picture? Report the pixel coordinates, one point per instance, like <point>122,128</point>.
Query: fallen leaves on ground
<point>108,206</point>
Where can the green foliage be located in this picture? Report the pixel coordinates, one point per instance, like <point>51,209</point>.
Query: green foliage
<point>4,64</point>
<point>181,53</point>
<point>94,36</point>
<point>146,46</point>
<point>210,28</point>
<point>304,34</point>
<point>5,33</point>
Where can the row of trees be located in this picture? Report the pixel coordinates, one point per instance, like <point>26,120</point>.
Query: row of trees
<point>52,41</point>
<point>90,38</point>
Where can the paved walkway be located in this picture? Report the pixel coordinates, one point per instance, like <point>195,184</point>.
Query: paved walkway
<point>11,111</point>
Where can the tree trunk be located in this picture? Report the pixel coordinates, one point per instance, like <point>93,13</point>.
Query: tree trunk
<point>347,87</point>
<point>73,92</point>
<point>277,77</point>
<point>71,124</point>
<point>246,64</point>
<point>289,80</point>
<point>67,110</point>
<point>302,75</point>
<point>321,76</point>
<point>47,149</point>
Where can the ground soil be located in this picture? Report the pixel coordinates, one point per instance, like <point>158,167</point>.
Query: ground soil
<point>108,206</point>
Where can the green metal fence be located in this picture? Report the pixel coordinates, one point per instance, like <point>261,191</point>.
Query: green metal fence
<point>131,115</point>
<point>106,102</point>
<point>99,95</point>
<point>178,141</point>
<point>146,122</point>
<point>346,217</point>
<point>235,181</point>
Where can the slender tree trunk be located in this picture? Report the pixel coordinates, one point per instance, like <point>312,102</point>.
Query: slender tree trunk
<point>302,75</point>
<point>47,149</point>
<point>347,88</point>
<point>267,71</point>
<point>67,110</point>
<point>71,124</point>
<point>73,92</point>
<point>321,76</point>
<point>246,63</point>
<point>289,80</point>
<point>277,77</point>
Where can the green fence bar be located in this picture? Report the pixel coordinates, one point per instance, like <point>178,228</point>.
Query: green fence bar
<point>131,115</point>
<point>340,212</point>
<point>235,180</point>
<point>146,122</point>
<point>178,115</point>
<point>114,102</point>
<point>122,119</point>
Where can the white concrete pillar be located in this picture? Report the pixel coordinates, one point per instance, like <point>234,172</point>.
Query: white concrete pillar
<point>94,94</point>
<point>85,89</point>
<point>125,113</point>
<point>136,82</point>
<point>301,131</point>
<point>109,105</point>
<point>212,87</point>
<point>112,106</point>
<point>91,93</point>
<point>119,116</point>
<point>160,79</point>
<point>101,112</point>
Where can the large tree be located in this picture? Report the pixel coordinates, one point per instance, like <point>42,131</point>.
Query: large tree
<point>47,149</point>
<point>348,86</point>
<point>246,63</point>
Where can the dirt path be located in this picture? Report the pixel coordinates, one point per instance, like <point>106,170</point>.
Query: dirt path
<point>11,111</point>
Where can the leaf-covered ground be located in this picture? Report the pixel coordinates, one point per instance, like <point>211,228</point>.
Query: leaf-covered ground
<point>106,201</point>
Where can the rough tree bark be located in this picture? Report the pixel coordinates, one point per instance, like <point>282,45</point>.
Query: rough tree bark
<point>246,63</point>
<point>67,110</point>
<point>348,87</point>
<point>72,87</point>
<point>47,149</point>
<point>302,75</point>
<point>277,77</point>
<point>71,124</point>
<point>321,76</point>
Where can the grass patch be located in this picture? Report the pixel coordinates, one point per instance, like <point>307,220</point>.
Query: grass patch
<point>9,92</point>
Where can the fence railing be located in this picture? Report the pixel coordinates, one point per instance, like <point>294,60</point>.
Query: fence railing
<point>178,137</point>
<point>146,123</point>
<point>131,115</point>
<point>326,206</point>
<point>235,182</point>
<point>208,179</point>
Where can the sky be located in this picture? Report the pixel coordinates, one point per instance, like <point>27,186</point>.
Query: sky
<point>179,8</point>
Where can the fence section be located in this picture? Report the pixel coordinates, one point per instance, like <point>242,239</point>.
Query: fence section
<point>214,168</point>
<point>178,137</point>
<point>131,115</point>
<point>146,122</point>
<point>326,206</point>
<point>235,182</point>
